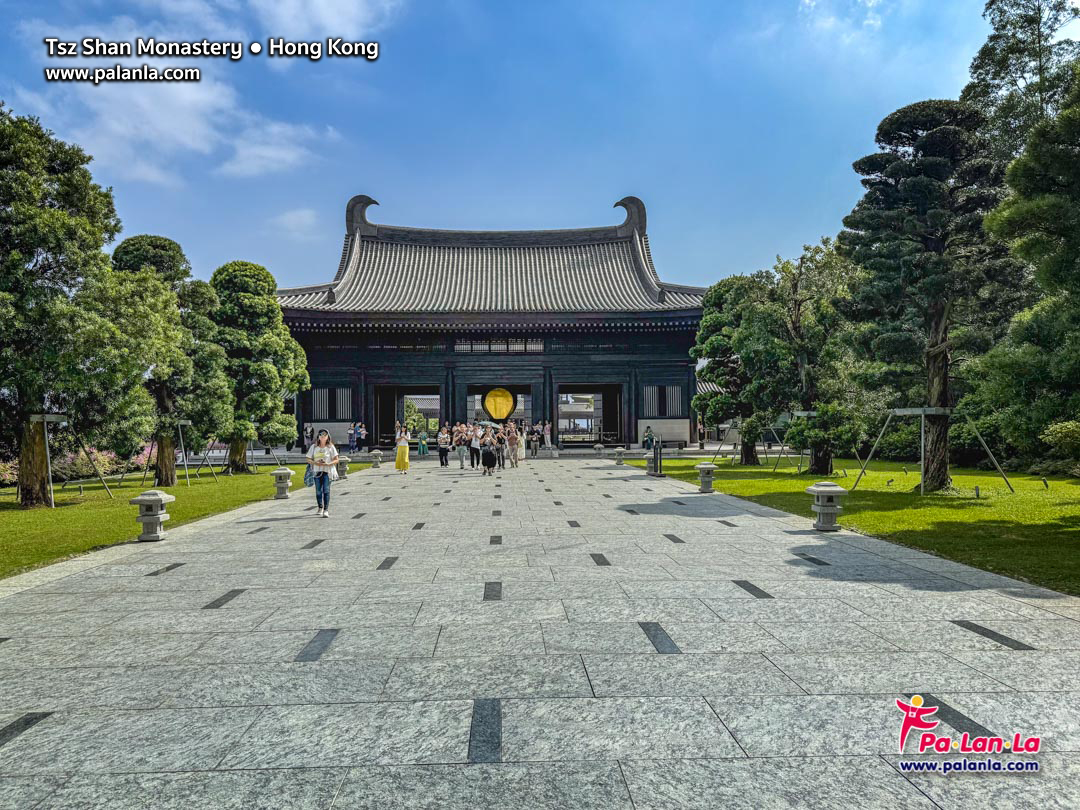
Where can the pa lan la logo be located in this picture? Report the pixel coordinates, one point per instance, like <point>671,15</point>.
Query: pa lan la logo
<point>918,716</point>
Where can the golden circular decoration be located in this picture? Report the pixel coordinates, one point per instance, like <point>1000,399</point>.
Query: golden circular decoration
<point>499,403</point>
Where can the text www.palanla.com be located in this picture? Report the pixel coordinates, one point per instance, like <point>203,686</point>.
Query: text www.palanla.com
<point>119,73</point>
<point>988,765</point>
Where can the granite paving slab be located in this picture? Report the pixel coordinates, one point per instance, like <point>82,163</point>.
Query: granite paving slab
<point>636,645</point>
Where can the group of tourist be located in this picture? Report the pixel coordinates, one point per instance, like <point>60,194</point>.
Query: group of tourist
<point>358,436</point>
<point>488,445</point>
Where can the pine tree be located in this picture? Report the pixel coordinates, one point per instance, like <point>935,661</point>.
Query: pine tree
<point>265,364</point>
<point>1020,76</point>
<point>918,234</point>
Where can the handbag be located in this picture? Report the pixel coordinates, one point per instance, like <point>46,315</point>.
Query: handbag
<point>309,477</point>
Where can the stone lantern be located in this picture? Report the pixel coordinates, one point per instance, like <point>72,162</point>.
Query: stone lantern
<point>619,454</point>
<point>282,480</point>
<point>599,448</point>
<point>826,504</point>
<point>705,473</point>
<point>343,467</point>
<point>376,458</point>
<point>152,514</point>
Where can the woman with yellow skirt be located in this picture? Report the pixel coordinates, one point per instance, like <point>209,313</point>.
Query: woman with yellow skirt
<point>401,461</point>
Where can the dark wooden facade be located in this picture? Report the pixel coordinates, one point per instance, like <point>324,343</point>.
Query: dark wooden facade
<point>497,323</point>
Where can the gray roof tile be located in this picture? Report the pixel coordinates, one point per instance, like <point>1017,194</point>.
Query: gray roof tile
<point>389,269</point>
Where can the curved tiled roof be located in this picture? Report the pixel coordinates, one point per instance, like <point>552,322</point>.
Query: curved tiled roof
<point>390,269</point>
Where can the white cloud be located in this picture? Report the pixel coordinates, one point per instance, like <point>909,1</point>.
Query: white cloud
<point>267,147</point>
<point>299,223</point>
<point>142,131</point>
<point>845,22</point>
<point>300,19</point>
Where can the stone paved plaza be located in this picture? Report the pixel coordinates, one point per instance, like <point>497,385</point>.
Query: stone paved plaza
<point>568,634</point>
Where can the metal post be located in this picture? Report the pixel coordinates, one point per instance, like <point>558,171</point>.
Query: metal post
<point>183,453</point>
<point>997,466</point>
<point>149,456</point>
<point>782,443</point>
<point>48,463</point>
<point>872,449</point>
<point>922,454</point>
<point>720,446</point>
<point>127,464</point>
<point>78,438</point>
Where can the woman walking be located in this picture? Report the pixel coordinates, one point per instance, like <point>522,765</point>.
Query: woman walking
<point>421,440</point>
<point>460,444</point>
<point>322,457</point>
<point>512,446</point>
<point>487,452</point>
<point>474,447</point>
<point>401,461</point>
<point>500,449</point>
<point>443,440</point>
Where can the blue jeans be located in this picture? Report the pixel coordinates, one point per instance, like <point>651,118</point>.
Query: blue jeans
<point>322,489</point>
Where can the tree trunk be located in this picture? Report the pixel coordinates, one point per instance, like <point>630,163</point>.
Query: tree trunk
<point>166,460</point>
<point>238,455</point>
<point>33,472</point>
<point>748,453</point>
<point>820,461</point>
<point>936,472</point>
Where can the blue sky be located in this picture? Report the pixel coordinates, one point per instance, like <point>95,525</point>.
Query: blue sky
<point>735,122</point>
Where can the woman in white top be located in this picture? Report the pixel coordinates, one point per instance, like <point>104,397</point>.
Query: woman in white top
<point>322,457</point>
<point>401,461</point>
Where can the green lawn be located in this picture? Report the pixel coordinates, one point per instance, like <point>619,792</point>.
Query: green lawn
<point>35,537</point>
<point>1033,535</point>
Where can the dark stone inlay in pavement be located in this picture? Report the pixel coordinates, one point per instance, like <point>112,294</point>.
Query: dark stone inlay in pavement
<point>173,566</point>
<point>417,526</point>
<point>659,638</point>
<point>496,540</point>
<point>224,599</point>
<point>492,591</point>
<point>314,543</point>
<point>993,635</point>
<point>385,564</point>
<point>728,523</point>
<point>752,589</point>
<point>811,558</point>
<point>358,515</point>
<point>496,512</point>
<point>600,559</point>
<point>680,503</point>
<point>445,491</point>
<point>607,496</point>
<point>573,524</point>
<point>674,538</point>
<point>946,713</point>
<point>314,649</point>
<point>437,503</point>
<point>498,497</point>
<point>387,498</point>
<point>546,489</point>
<point>631,511</point>
<point>264,528</point>
<point>19,725</point>
<point>485,736</point>
<point>557,503</point>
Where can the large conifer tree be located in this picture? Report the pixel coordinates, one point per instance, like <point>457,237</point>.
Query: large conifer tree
<point>918,233</point>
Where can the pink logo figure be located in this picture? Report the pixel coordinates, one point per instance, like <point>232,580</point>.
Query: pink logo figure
<point>915,716</point>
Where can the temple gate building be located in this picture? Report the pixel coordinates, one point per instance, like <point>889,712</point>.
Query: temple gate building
<point>575,324</point>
